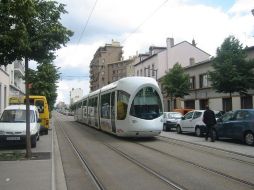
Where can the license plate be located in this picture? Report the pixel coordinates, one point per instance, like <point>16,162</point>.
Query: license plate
<point>13,138</point>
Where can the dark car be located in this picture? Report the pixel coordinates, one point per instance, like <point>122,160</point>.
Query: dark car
<point>238,124</point>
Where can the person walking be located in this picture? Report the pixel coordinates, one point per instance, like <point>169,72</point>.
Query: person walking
<point>210,120</point>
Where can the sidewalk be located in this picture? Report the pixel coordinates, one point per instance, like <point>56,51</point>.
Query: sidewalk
<point>43,172</point>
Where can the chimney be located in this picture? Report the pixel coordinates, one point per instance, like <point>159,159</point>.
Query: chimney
<point>192,61</point>
<point>170,43</point>
<point>193,42</point>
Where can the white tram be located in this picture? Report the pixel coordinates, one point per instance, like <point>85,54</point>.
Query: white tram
<point>129,107</point>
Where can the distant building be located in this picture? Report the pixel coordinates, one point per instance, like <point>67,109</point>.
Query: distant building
<point>75,95</point>
<point>99,71</point>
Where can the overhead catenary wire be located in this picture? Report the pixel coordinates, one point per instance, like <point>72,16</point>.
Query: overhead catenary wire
<point>144,21</point>
<point>87,21</point>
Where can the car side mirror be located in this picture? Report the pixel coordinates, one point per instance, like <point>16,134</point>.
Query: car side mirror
<point>39,120</point>
<point>182,118</point>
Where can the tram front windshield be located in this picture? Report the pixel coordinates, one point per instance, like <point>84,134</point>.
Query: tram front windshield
<point>146,104</point>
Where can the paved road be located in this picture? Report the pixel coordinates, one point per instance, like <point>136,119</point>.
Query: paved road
<point>184,162</point>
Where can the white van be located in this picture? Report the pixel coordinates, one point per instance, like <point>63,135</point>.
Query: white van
<point>13,125</point>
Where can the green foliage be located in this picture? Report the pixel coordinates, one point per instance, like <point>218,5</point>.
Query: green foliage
<point>44,82</point>
<point>232,72</point>
<point>176,82</point>
<point>31,29</point>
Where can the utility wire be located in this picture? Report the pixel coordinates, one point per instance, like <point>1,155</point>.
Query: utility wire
<point>144,21</point>
<point>84,29</point>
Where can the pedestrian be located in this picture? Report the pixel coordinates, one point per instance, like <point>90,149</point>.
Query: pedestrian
<point>210,120</point>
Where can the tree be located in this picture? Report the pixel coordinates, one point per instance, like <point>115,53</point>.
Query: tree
<point>30,30</point>
<point>232,71</point>
<point>176,83</point>
<point>46,86</point>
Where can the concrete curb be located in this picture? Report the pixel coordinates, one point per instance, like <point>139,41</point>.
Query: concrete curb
<point>58,177</point>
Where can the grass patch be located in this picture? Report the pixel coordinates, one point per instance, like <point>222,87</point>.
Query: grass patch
<point>12,156</point>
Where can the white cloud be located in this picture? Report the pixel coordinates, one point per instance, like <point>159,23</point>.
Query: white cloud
<point>180,19</point>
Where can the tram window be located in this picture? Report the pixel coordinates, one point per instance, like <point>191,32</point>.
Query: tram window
<point>122,104</point>
<point>105,106</point>
<point>146,104</point>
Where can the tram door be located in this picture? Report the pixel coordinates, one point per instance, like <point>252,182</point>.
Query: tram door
<point>113,121</point>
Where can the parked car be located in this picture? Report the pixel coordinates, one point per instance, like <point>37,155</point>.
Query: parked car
<point>238,124</point>
<point>193,122</point>
<point>170,120</point>
<point>13,125</point>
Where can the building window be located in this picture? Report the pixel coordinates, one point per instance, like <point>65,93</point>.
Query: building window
<point>189,104</point>
<point>153,71</point>
<point>141,74</point>
<point>203,81</point>
<point>203,103</point>
<point>149,71</point>
<point>192,83</point>
<point>227,104</point>
<point>246,102</point>
<point>137,73</point>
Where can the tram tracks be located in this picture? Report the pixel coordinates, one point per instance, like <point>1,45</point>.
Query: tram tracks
<point>117,147</point>
<point>195,146</point>
<point>84,163</point>
<point>210,170</point>
<point>95,179</point>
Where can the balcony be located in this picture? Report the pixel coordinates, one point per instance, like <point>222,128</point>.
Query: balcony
<point>19,69</point>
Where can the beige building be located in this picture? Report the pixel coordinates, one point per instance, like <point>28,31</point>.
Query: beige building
<point>108,54</point>
<point>118,70</point>
<point>201,92</point>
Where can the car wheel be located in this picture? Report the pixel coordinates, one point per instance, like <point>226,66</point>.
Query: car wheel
<point>38,137</point>
<point>33,142</point>
<point>165,128</point>
<point>215,135</point>
<point>249,138</point>
<point>46,132</point>
<point>198,131</point>
<point>178,129</point>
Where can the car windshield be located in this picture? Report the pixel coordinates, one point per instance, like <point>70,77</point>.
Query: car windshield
<point>175,115</point>
<point>16,116</point>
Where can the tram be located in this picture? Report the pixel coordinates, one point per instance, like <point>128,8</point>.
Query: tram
<point>129,107</point>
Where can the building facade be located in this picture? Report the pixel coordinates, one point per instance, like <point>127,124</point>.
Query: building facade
<point>162,59</point>
<point>4,88</point>
<point>99,70</point>
<point>75,95</point>
<point>118,70</point>
<point>201,93</point>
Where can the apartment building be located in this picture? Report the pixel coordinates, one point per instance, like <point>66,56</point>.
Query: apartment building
<point>108,54</point>
<point>201,93</point>
<point>11,82</point>
<point>4,87</point>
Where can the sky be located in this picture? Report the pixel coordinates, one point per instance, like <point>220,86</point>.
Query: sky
<point>138,24</point>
